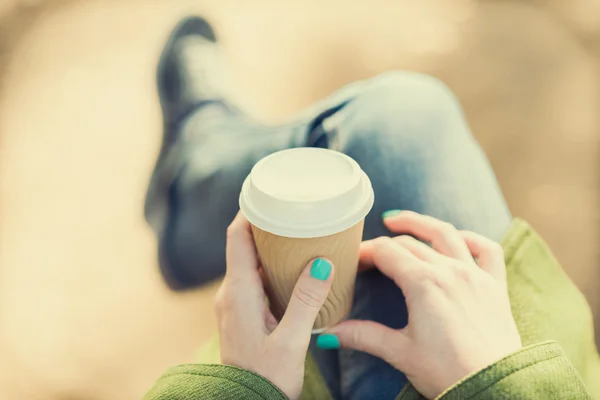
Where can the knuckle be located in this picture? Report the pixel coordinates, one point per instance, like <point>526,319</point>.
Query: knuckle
<point>497,249</point>
<point>382,244</point>
<point>447,228</point>
<point>382,241</point>
<point>231,231</point>
<point>310,298</point>
<point>429,278</point>
<point>464,273</point>
<point>419,275</point>
<point>430,274</point>
<point>444,230</point>
<point>219,302</point>
<point>437,280</point>
<point>487,244</point>
<point>356,338</point>
<point>222,300</point>
<point>404,239</point>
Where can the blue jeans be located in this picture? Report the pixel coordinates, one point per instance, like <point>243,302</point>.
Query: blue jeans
<point>407,132</point>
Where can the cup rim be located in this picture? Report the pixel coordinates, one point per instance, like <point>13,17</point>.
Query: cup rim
<point>326,229</point>
<point>359,210</point>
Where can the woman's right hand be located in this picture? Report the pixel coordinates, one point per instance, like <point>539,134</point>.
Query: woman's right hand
<point>460,319</point>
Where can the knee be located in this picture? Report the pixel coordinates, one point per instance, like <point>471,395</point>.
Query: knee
<point>411,93</point>
<point>408,105</point>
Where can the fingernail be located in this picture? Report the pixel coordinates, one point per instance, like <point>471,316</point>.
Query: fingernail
<point>390,213</point>
<point>320,269</point>
<point>328,341</point>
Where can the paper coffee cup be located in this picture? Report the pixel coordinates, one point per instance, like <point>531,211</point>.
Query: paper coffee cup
<point>305,203</point>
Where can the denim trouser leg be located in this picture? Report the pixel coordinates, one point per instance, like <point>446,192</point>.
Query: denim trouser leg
<point>407,132</point>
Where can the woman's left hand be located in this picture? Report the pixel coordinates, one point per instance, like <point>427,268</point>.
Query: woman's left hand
<point>250,336</point>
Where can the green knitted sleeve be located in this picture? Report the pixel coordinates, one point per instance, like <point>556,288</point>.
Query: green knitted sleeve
<point>208,382</point>
<point>539,371</point>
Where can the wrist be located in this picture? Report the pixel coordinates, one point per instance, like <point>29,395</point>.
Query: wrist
<point>471,366</point>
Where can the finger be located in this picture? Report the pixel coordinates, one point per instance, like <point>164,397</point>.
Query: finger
<point>489,254</point>
<point>308,297</point>
<point>242,261</point>
<point>442,235</point>
<point>393,260</point>
<point>365,258</point>
<point>373,338</point>
<point>242,297</point>
<point>419,249</point>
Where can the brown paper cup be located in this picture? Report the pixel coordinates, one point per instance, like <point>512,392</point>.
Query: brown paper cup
<point>283,259</point>
<point>306,203</point>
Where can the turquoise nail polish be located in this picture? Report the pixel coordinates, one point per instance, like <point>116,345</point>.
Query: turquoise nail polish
<point>390,213</point>
<point>328,341</point>
<point>320,269</point>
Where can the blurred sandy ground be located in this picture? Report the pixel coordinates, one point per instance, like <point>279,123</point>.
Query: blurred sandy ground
<point>83,313</point>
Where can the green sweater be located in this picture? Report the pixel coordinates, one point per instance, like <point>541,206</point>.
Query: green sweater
<point>559,360</point>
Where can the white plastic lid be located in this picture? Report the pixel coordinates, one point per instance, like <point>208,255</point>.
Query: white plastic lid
<point>306,192</point>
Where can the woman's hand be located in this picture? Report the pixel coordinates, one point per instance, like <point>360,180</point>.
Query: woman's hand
<point>250,336</point>
<point>460,319</point>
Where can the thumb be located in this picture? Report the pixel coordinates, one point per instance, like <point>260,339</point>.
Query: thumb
<point>370,337</point>
<point>308,297</point>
